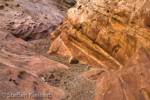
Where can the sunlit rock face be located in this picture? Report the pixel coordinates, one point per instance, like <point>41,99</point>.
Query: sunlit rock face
<point>104,34</point>
<point>130,83</point>
<point>112,35</point>
<point>31,19</point>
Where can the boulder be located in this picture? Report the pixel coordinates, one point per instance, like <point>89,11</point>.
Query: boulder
<point>130,83</point>
<point>31,19</point>
<point>21,70</point>
<point>73,60</point>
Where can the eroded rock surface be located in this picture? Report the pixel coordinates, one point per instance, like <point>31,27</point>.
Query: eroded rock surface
<point>131,83</point>
<point>93,74</point>
<point>31,19</point>
<point>21,70</point>
<point>104,34</point>
<point>113,35</point>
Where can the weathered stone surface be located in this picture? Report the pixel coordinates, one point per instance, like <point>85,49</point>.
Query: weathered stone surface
<point>113,35</point>
<point>93,74</point>
<point>103,34</point>
<point>131,83</point>
<point>21,70</point>
<point>31,19</point>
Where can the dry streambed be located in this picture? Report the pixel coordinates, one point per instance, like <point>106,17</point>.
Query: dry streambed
<point>70,80</point>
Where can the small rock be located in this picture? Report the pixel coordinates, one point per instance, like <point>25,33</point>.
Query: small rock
<point>73,60</point>
<point>43,78</point>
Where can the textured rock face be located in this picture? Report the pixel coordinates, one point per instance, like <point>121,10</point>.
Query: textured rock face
<point>112,35</point>
<point>20,69</point>
<point>31,19</point>
<point>131,83</point>
<point>104,34</point>
<point>93,74</point>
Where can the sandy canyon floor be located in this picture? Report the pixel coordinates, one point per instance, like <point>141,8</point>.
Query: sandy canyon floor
<point>71,80</point>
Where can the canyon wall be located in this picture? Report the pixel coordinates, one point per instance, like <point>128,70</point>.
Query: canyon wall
<point>113,35</point>
<point>104,34</point>
<point>21,70</point>
<point>32,19</point>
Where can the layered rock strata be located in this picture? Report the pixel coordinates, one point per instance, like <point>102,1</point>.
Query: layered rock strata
<point>113,35</point>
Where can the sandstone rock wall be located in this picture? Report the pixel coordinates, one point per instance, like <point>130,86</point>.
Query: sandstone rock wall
<point>130,83</point>
<point>109,34</point>
<point>21,70</point>
<point>31,19</point>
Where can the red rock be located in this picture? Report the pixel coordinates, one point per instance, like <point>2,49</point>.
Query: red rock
<point>20,69</point>
<point>61,48</point>
<point>113,35</point>
<point>130,83</point>
<point>101,37</point>
<point>16,80</point>
<point>31,19</point>
<point>93,74</point>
